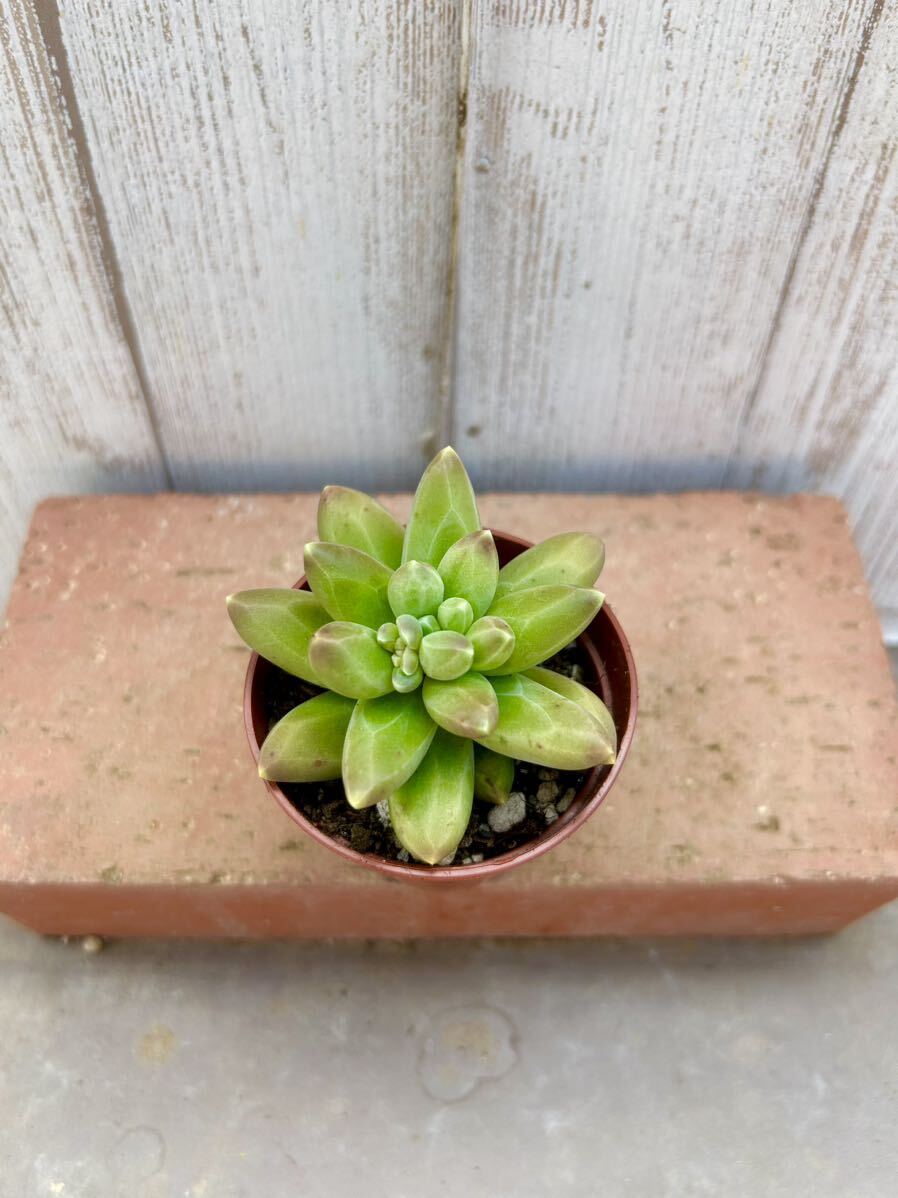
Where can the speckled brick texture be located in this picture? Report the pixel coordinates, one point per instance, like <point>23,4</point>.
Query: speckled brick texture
<point>761,795</point>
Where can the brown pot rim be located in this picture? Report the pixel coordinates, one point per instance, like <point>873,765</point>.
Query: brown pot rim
<point>589,798</point>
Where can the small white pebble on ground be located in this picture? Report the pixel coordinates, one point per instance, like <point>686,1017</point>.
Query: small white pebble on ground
<point>550,815</point>
<point>383,812</point>
<point>402,855</point>
<point>93,945</point>
<point>545,775</point>
<point>448,859</point>
<point>476,858</point>
<point>547,792</point>
<point>511,812</point>
<point>565,801</point>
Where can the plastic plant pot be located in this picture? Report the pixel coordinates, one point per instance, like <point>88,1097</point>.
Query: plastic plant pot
<point>609,671</point>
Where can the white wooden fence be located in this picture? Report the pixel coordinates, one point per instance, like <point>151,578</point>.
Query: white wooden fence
<point>601,245</point>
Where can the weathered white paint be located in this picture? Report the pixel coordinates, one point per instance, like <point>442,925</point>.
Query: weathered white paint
<point>677,247</point>
<point>826,414</point>
<point>72,416</point>
<point>637,178</point>
<point>278,182</point>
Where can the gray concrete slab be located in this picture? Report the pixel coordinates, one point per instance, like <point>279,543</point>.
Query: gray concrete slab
<point>650,1070</point>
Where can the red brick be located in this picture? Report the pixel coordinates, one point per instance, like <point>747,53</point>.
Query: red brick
<point>760,795</point>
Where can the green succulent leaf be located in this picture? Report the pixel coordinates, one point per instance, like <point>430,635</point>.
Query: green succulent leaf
<point>470,569</point>
<point>410,630</point>
<point>405,683</point>
<point>493,642</point>
<point>577,693</point>
<point>431,811</point>
<point>465,706</point>
<point>348,660</point>
<point>415,589</point>
<point>350,584</point>
<point>387,634</point>
<point>429,624</point>
<point>278,623</point>
<point>307,744</point>
<point>539,725</point>
<point>574,558</point>
<point>443,511</point>
<point>543,620</point>
<point>385,743</point>
<point>455,615</point>
<point>445,655</point>
<point>493,775</point>
<point>352,518</point>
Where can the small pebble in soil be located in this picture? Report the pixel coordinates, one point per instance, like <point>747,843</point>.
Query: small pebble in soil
<point>383,812</point>
<point>565,801</point>
<point>550,815</point>
<point>546,793</point>
<point>93,945</point>
<point>511,812</point>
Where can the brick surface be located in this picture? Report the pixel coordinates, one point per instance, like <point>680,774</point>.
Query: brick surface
<point>760,795</point>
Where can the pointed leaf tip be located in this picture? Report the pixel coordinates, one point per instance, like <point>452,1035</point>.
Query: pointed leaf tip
<point>543,619</point>
<point>493,642</point>
<point>307,744</point>
<point>278,623</point>
<point>445,655</point>
<point>570,558</point>
<point>352,518</point>
<point>444,510</point>
<point>349,583</point>
<point>385,743</point>
<point>493,775</point>
<point>466,706</point>
<point>470,570</point>
<point>415,589</point>
<point>348,660</point>
<point>431,811</point>
<point>538,725</point>
<point>582,695</point>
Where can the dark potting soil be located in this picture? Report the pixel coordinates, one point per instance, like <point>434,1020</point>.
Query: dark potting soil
<point>547,793</point>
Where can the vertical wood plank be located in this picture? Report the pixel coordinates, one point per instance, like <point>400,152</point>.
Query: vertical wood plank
<point>826,412</point>
<point>72,415</point>
<point>278,182</point>
<point>637,178</point>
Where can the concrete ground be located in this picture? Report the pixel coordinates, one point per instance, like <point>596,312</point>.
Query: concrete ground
<point>646,1070</point>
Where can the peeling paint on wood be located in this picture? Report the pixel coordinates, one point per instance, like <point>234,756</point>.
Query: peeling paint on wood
<point>638,176</point>
<point>231,231</point>
<point>72,415</point>
<point>826,415</point>
<point>278,180</point>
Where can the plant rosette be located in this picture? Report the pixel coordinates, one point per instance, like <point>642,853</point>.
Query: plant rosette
<point>423,649</point>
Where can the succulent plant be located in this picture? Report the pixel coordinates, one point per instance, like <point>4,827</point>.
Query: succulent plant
<point>429,659</point>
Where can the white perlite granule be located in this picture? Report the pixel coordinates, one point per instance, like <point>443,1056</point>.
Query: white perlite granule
<point>511,812</point>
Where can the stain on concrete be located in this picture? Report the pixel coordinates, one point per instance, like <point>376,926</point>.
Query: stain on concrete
<point>463,1047</point>
<point>157,1045</point>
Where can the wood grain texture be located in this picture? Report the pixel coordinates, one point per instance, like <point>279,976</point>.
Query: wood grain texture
<point>826,412</point>
<point>278,182</point>
<point>72,415</point>
<point>637,178</point>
